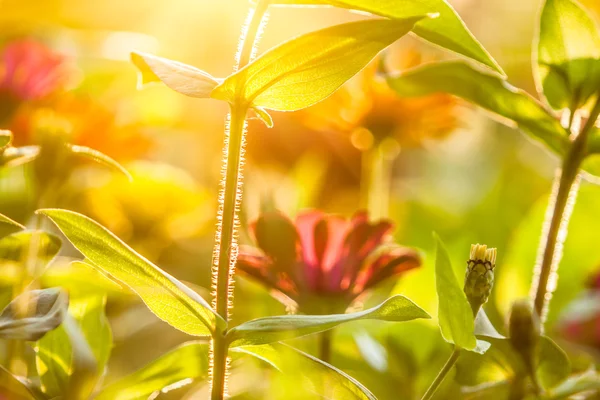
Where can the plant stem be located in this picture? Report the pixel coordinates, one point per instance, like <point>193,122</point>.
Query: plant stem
<point>225,252</point>
<point>325,346</point>
<point>560,206</point>
<point>442,374</point>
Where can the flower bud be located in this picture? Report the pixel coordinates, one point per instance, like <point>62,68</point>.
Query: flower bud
<point>479,278</point>
<point>524,328</point>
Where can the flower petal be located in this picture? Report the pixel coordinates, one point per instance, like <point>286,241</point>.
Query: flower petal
<point>387,262</point>
<point>252,263</point>
<point>276,235</point>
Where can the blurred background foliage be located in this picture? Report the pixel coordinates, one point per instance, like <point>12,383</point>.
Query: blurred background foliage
<point>451,170</point>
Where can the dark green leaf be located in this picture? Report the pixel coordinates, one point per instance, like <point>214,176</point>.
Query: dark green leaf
<point>32,314</point>
<point>447,30</point>
<point>568,54</point>
<point>274,329</point>
<point>178,367</point>
<point>454,312</point>
<point>310,67</point>
<point>100,158</point>
<point>311,374</point>
<point>553,364</point>
<point>180,77</point>
<point>165,296</point>
<point>488,91</point>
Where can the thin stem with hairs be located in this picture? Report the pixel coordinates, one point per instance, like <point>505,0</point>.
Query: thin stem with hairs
<point>225,251</point>
<point>560,207</point>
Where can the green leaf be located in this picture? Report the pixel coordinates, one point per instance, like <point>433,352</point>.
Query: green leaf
<point>447,30</point>
<point>5,139</point>
<point>100,158</point>
<point>169,299</point>
<point>488,91</point>
<point>180,77</point>
<point>489,390</point>
<point>484,327</point>
<point>18,387</point>
<point>32,314</point>
<point>67,366</point>
<point>176,368</point>
<point>576,384</point>
<point>5,220</point>
<point>17,248</point>
<point>568,54</point>
<point>72,358</point>
<point>310,67</point>
<point>553,365</point>
<point>81,280</point>
<point>310,373</point>
<point>454,312</point>
<point>273,329</point>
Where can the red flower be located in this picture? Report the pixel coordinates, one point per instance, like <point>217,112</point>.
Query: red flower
<point>31,71</point>
<point>323,259</point>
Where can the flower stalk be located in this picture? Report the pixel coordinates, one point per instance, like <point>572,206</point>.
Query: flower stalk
<point>560,207</point>
<point>226,247</point>
<point>442,374</point>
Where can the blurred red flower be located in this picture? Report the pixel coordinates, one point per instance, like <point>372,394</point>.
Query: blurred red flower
<point>31,71</point>
<point>580,322</point>
<point>323,262</point>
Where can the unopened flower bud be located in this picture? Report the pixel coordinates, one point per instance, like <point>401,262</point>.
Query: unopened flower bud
<point>524,328</point>
<point>479,278</point>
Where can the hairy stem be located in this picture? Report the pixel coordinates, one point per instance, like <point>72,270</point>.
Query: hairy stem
<point>561,203</point>
<point>442,374</point>
<point>225,252</point>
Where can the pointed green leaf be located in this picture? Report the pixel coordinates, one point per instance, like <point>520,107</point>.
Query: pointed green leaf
<point>18,387</point>
<point>32,249</point>
<point>32,314</point>
<point>71,359</point>
<point>178,367</point>
<point>568,54</point>
<point>553,364</point>
<point>5,220</point>
<point>100,158</point>
<point>273,329</point>
<point>484,327</point>
<point>488,91</point>
<point>454,312</point>
<point>180,77</point>
<point>314,375</point>
<point>447,30</point>
<point>165,296</point>
<point>310,67</point>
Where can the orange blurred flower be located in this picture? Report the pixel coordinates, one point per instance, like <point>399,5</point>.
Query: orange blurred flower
<point>34,101</point>
<point>366,102</point>
<point>85,123</point>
